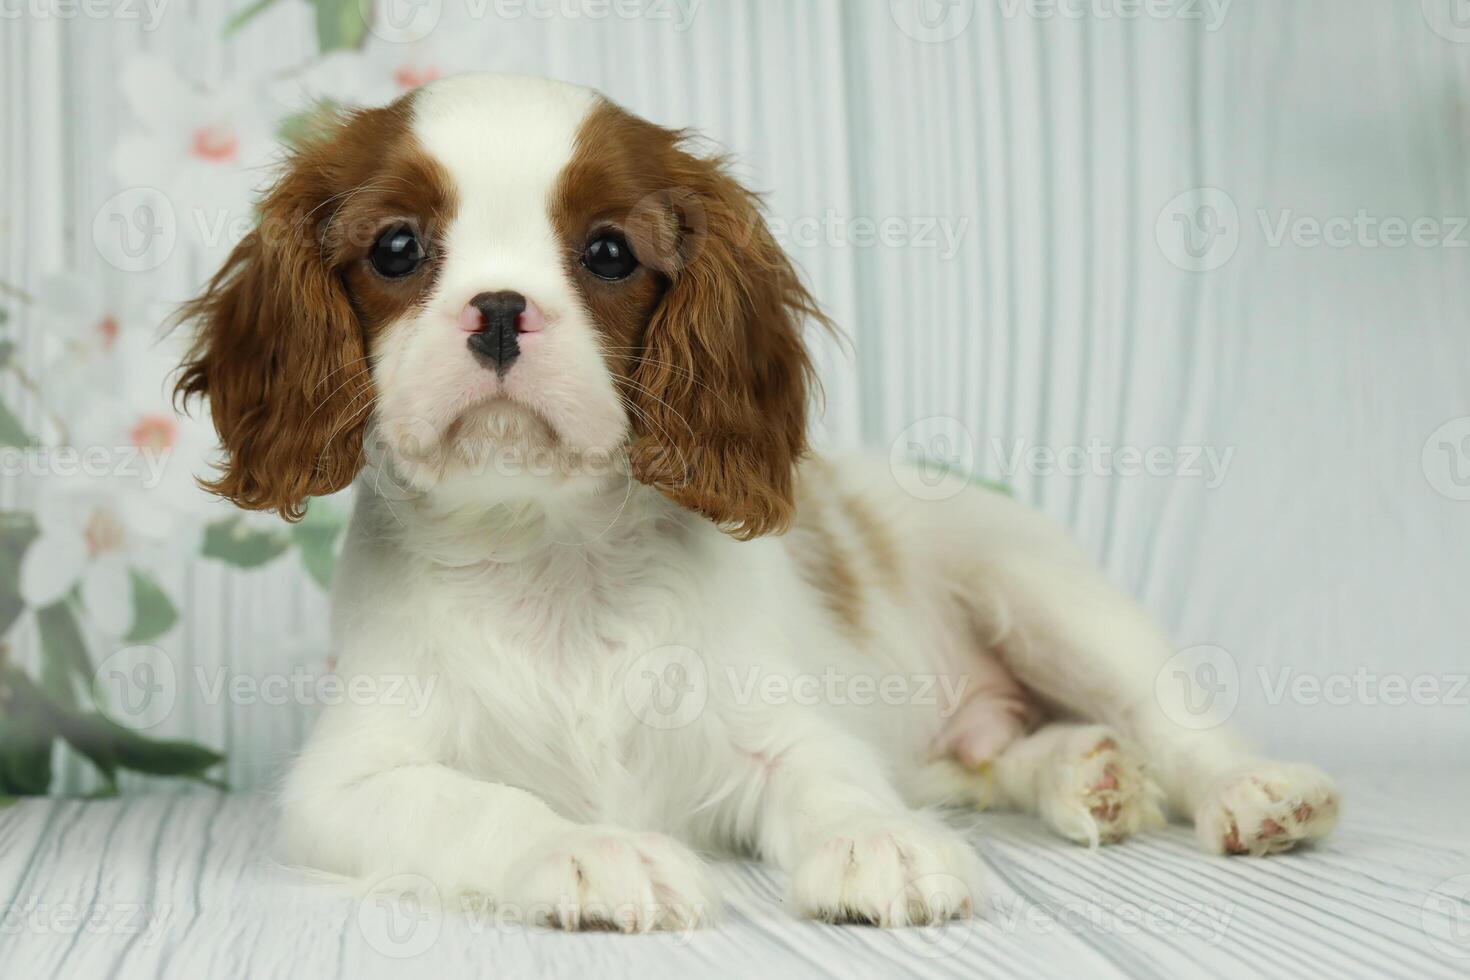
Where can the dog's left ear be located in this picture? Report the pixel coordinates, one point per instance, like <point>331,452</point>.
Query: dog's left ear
<point>721,392</point>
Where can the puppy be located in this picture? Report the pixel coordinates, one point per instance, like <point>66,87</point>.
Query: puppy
<point>561,356</point>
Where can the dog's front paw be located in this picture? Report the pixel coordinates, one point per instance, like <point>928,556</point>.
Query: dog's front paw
<point>1266,808</point>
<point>1095,791</point>
<point>890,873</point>
<point>609,878</point>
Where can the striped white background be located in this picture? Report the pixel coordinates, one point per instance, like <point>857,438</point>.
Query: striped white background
<point>1054,144</point>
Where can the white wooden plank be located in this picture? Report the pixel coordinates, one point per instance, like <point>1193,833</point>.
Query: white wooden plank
<point>183,886</point>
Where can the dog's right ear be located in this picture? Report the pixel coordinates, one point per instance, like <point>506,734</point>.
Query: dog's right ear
<point>280,354</point>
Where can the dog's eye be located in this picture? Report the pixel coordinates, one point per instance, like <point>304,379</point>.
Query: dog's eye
<point>609,257</point>
<point>397,252</point>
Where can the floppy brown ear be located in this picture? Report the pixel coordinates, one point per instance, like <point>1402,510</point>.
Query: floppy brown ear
<point>721,390</point>
<point>280,355</point>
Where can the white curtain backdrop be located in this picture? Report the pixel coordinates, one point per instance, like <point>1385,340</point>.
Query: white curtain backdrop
<point>1045,230</point>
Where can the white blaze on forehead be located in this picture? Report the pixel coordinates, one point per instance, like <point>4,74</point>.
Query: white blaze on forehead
<point>504,140</point>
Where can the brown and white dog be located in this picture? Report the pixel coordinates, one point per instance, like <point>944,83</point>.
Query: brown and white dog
<point>561,356</point>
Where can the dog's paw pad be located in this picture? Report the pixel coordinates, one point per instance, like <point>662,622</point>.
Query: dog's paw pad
<point>1096,791</point>
<point>1266,809</point>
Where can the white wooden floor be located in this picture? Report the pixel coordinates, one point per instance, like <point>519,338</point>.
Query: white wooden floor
<point>182,886</point>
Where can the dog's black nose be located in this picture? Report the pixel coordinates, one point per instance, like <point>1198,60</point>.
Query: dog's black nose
<point>496,338</point>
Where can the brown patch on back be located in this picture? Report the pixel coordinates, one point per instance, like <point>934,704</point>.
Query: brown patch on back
<point>882,549</point>
<point>285,329</point>
<point>817,548</point>
<point>704,338</point>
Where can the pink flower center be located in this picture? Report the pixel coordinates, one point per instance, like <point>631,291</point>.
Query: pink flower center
<point>409,76</point>
<point>217,144</point>
<point>103,532</point>
<point>107,327</point>
<point>156,432</point>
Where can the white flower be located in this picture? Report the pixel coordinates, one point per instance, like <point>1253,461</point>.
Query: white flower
<point>207,152</point>
<point>91,531</point>
<point>84,328</point>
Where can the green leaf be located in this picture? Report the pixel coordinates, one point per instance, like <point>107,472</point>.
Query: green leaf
<point>154,613</point>
<point>27,730</point>
<point>7,351</point>
<point>110,747</point>
<point>993,486</point>
<point>318,535</point>
<point>64,657</point>
<point>17,531</point>
<point>339,24</point>
<point>246,16</point>
<point>235,542</point>
<point>12,433</point>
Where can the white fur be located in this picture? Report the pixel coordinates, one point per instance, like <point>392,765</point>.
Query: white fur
<point>546,606</point>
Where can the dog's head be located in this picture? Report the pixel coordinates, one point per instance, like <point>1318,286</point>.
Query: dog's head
<point>498,268</point>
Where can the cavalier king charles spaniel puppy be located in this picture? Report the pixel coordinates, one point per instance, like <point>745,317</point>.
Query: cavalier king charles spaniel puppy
<point>560,355</point>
